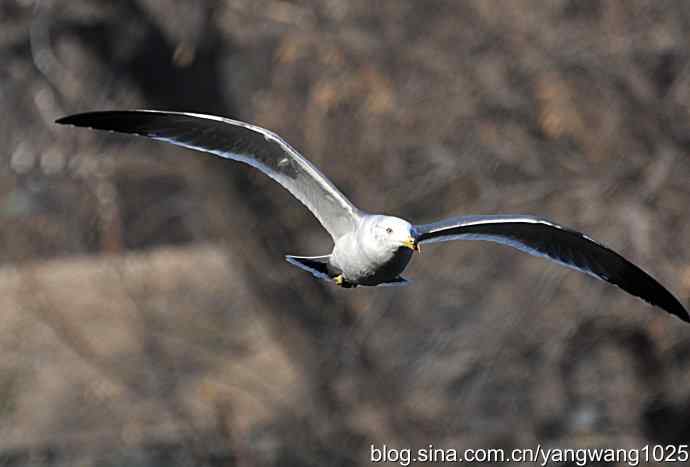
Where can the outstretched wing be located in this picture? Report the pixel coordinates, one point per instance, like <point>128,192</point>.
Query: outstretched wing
<point>239,141</point>
<point>572,249</point>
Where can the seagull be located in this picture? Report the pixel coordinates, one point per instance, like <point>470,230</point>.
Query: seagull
<point>374,249</point>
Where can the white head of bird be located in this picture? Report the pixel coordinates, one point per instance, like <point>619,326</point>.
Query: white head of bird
<point>386,235</point>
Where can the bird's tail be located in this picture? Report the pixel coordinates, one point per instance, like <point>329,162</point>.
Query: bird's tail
<point>319,266</point>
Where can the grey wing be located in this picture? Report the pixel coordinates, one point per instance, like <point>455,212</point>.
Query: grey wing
<point>572,249</point>
<point>239,141</point>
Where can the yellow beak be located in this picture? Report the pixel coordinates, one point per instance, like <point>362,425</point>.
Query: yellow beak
<point>411,244</point>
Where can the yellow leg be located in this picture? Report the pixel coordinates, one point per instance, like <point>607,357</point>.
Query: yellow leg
<point>339,279</point>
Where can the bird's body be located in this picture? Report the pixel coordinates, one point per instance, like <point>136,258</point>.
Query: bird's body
<point>373,249</point>
<point>370,255</point>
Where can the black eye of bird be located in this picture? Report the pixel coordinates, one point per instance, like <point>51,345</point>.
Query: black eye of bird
<point>389,230</point>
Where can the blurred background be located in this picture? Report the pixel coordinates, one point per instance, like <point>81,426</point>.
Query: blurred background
<point>148,315</point>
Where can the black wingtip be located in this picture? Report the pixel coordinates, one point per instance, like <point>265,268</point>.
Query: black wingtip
<point>88,119</point>
<point>659,296</point>
<point>63,120</point>
<point>80,119</point>
<point>638,282</point>
<point>678,310</point>
<point>85,119</point>
<point>122,121</point>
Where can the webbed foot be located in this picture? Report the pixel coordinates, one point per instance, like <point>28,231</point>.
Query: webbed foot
<point>340,280</point>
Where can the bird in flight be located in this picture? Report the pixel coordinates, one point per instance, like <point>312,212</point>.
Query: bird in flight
<point>374,249</point>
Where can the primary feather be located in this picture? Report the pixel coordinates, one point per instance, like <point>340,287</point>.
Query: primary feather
<point>239,141</point>
<point>572,249</point>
